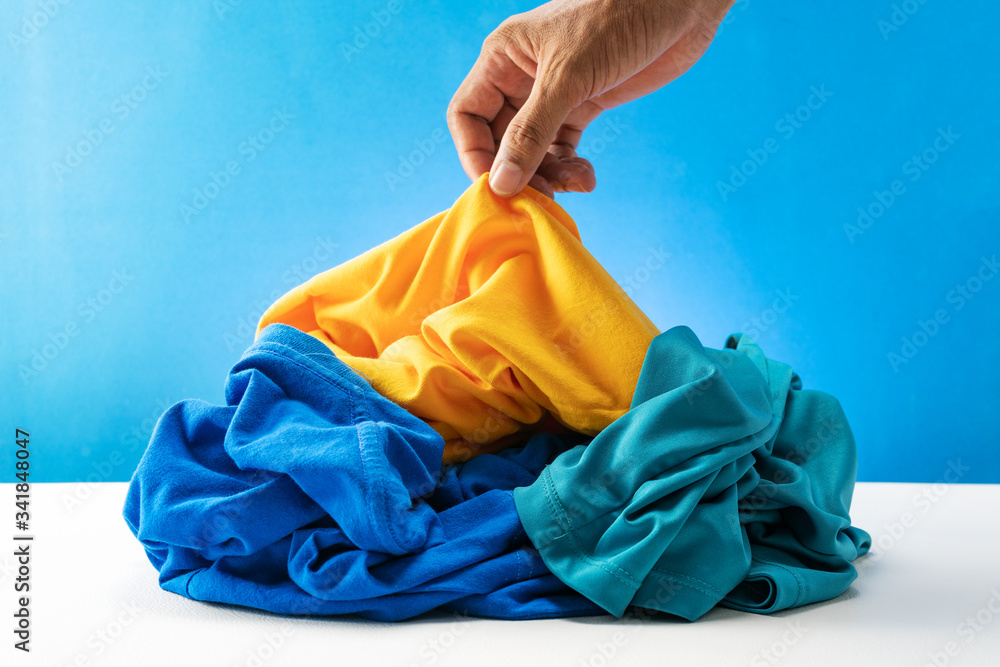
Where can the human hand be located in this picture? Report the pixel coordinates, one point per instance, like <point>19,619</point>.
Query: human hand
<point>544,75</point>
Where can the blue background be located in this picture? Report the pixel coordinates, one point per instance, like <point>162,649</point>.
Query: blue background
<point>162,98</point>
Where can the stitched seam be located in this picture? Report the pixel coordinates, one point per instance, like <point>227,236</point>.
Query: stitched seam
<point>556,506</point>
<point>355,409</point>
<point>364,463</point>
<point>802,584</point>
<point>374,462</point>
<point>520,552</point>
<point>187,584</point>
<point>311,371</point>
<point>690,582</point>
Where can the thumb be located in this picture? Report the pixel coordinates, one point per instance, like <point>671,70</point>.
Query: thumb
<point>527,138</point>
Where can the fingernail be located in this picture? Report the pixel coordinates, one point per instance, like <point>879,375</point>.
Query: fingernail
<point>505,178</point>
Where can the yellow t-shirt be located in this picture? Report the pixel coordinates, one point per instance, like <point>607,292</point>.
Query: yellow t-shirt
<point>480,320</point>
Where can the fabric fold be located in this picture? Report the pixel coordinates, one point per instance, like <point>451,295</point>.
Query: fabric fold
<point>481,320</point>
<point>475,417</point>
<point>714,488</point>
<point>310,493</point>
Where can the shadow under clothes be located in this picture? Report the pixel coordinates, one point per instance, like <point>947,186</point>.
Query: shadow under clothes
<point>310,493</point>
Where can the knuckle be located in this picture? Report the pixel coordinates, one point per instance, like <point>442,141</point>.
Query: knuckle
<point>510,30</point>
<point>705,33</point>
<point>451,114</point>
<point>527,135</point>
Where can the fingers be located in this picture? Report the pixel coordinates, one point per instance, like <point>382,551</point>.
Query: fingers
<point>539,183</point>
<point>574,174</point>
<point>528,137</point>
<point>479,117</point>
<point>569,173</point>
<point>475,105</point>
<point>502,113</point>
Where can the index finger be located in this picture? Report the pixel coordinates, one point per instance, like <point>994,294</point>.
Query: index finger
<point>470,112</point>
<point>473,109</point>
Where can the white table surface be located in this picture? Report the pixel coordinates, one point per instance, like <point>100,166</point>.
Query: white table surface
<point>930,595</point>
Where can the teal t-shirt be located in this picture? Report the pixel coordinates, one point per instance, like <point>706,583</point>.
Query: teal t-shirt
<point>726,482</point>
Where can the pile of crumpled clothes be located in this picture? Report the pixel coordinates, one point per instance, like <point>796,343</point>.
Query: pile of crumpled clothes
<point>475,417</point>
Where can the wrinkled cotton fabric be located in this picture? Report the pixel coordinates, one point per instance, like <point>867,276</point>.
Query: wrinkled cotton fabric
<point>481,320</point>
<point>411,430</point>
<point>726,482</point>
<point>310,493</point>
